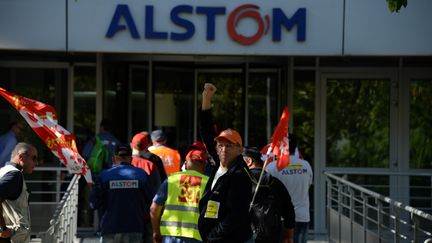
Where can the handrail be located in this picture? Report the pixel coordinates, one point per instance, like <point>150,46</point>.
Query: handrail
<point>50,168</point>
<point>357,214</point>
<point>63,224</point>
<point>367,172</point>
<point>381,197</point>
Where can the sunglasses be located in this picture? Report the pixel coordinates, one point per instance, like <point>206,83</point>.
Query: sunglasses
<point>229,145</point>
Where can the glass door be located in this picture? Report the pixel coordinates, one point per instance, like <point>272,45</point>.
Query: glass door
<point>357,132</point>
<point>419,143</point>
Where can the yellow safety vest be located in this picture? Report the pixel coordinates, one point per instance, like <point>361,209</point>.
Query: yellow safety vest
<point>181,213</point>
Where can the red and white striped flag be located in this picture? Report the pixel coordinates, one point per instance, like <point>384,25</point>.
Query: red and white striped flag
<point>43,120</point>
<point>279,143</point>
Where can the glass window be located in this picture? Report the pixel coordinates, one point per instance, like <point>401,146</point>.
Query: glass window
<point>420,124</point>
<point>302,120</point>
<point>84,103</point>
<point>377,183</point>
<point>421,193</point>
<point>358,125</point>
<point>45,85</point>
<point>139,99</point>
<point>228,105</point>
<point>115,99</point>
<point>8,115</point>
<point>263,111</point>
<point>174,105</point>
<point>303,114</point>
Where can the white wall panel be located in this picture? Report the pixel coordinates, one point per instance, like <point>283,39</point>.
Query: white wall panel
<point>371,29</point>
<point>33,24</point>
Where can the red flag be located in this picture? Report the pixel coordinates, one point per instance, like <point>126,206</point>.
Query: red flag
<point>267,155</point>
<point>43,120</point>
<point>279,143</point>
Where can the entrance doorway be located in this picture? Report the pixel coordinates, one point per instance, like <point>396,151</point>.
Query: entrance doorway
<point>358,133</point>
<point>169,97</point>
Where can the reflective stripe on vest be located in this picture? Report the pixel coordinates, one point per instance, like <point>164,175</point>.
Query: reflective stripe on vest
<point>181,213</point>
<point>182,208</point>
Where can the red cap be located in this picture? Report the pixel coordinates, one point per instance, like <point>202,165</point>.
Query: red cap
<point>140,140</point>
<point>196,155</point>
<point>231,135</point>
<point>197,145</point>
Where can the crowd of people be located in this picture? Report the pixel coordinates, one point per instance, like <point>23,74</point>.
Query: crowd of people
<point>222,192</point>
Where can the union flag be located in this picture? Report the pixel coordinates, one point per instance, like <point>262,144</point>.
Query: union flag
<point>42,118</point>
<point>279,146</point>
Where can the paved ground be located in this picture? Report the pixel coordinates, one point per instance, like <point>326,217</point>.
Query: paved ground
<point>96,240</point>
<point>89,237</point>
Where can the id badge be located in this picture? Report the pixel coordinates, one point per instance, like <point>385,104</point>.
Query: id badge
<point>212,210</point>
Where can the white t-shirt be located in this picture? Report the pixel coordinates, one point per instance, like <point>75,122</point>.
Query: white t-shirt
<point>297,178</point>
<point>220,172</point>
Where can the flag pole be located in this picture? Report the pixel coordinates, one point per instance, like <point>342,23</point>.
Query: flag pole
<point>278,135</point>
<point>260,178</point>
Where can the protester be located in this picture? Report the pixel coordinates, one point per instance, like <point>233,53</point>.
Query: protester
<point>297,178</point>
<point>107,138</point>
<point>9,140</point>
<point>97,164</point>
<point>170,157</point>
<point>139,145</point>
<point>123,195</point>
<point>178,198</point>
<point>271,204</point>
<point>210,163</point>
<point>224,207</point>
<point>15,218</point>
<point>142,141</point>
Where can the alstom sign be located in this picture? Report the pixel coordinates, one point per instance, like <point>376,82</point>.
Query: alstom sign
<point>183,17</point>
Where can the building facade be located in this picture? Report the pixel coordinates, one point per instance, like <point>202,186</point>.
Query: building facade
<point>356,78</point>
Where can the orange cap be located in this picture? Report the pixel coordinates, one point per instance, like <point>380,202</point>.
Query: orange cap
<point>231,135</point>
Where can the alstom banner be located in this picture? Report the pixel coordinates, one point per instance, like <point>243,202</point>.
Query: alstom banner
<point>279,21</point>
<point>205,27</point>
<point>217,27</point>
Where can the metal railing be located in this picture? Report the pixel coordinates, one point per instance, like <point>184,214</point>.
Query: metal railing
<point>47,186</point>
<point>63,225</point>
<point>357,214</point>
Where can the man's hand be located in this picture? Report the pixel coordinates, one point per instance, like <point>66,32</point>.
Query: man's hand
<point>6,234</point>
<point>288,236</point>
<point>157,237</point>
<point>291,240</point>
<point>207,95</point>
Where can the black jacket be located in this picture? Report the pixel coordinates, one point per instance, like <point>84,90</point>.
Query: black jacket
<point>280,201</point>
<point>231,193</point>
<point>158,162</point>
